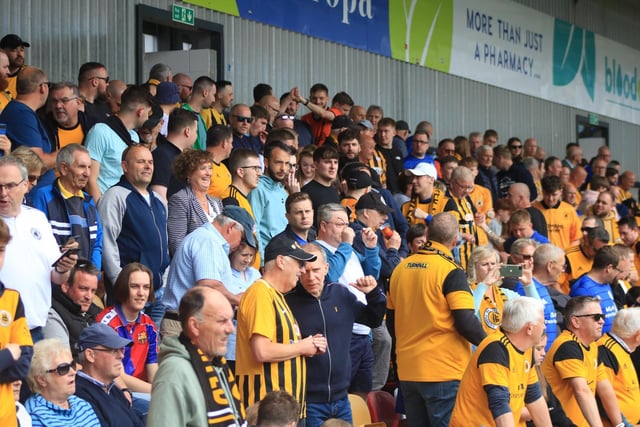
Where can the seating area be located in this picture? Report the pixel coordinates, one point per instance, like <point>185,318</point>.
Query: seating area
<point>379,410</point>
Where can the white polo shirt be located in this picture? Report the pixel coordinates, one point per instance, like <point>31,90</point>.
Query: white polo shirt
<point>27,263</point>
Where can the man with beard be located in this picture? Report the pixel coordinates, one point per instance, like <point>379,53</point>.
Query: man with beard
<point>268,199</point>
<point>93,80</point>
<point>13,46</point>
<point>70,210</point>
<point>23,125</point>
<point>202,96</point>
<point>66,123</point>
<point>5,95</point>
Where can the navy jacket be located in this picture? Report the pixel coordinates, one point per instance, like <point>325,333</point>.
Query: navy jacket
<point>333,315</point>
<point>112,409</point>
<point>64,224</point>
<point>134,231</point>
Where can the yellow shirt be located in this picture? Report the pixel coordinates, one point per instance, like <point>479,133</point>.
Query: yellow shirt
<point>428,346</point>
<point>569,358</point>
<point>220,180</point>
<point>496,362</point>
<point>563,224</point>
<point>70,136</point>
<point>264,311</point>
<point>619,370</point>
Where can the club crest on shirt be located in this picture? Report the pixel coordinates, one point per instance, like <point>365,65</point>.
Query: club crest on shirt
<point>142,337</point>
<point>5,318</point>
<point>36,233</point>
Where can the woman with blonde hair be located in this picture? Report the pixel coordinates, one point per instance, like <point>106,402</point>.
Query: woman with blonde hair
<point>52,377</point>
<point>483,273</point>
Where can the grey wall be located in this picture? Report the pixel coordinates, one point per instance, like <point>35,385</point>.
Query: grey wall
<point>66,33</point>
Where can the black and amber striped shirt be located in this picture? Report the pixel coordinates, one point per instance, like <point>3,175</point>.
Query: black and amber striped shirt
<point>264,311</point>
<point>464,212</point>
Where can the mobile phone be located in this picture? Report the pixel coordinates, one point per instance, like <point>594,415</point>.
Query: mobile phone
<point>510,270</point>
<point>3,129</point>
<point>72,239</point>
<point>68,252</point>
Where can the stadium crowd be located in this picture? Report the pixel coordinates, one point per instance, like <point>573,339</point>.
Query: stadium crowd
<point>169,256</point>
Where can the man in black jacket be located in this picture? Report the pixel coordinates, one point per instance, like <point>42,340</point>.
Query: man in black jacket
<point>72,307</point>
<point>331,310</point>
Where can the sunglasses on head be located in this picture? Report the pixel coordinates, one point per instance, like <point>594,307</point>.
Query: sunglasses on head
<point>63,368</point>
<point>244,119</point>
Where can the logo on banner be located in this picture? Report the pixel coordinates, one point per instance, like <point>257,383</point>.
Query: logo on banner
<point>421,32</point>
<point>574,52</point>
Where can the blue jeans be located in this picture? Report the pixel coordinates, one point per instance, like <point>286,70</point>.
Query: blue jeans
<point>429,404</point>
<point>317,413</point>
<point>362,361</point>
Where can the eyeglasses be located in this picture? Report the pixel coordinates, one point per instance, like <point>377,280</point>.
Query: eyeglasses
<point>10,186</point>
<point>33,179</point>
<point>112,351</point>
<point>48,84</point>
<point>516,147</point>
<point>420,141</point>
<point>464,187</point>
<point>563,265</point>
<point>587,229</point>
<point>188,87</point>
<point>595,316</point>
<point>63,368</point>
<point>525,257</point>
<point>64,101</point>
<point>257,168</point>
<point>106,79</point>
<point>243,119</point>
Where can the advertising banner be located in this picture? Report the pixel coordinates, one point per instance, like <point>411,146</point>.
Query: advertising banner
<point>497,42</point>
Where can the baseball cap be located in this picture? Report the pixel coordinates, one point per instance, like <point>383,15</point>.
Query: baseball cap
<point>372,200</point>
<point>358,179</point>
<point>167,93</point>
<point>422,169</point>
<point>241,215</point>
<point>283,245</point>
<point>101,334</point>
<point>366,124</point>
<point>12,41</point>
<point>341,121</point>
<point>402,125</point>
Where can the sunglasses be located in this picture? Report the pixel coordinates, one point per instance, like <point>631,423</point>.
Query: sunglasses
<point>516,147</point>
<point>63,368</point>
<point>595,316</point>
<point>243,119</point>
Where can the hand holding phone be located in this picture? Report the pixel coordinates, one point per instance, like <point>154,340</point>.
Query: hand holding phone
<point>65,254</point>
<point>511,270</point>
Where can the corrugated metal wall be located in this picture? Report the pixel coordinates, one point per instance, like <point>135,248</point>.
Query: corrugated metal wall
<point>66,33</point>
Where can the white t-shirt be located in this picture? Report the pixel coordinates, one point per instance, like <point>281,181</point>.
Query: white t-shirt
<point>27,263</point>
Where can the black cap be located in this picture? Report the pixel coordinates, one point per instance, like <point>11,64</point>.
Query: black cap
<point>358,179</point>
<point>282,245</point>
<point>155,116</point>
<point>402,125</point>
<point>12,41</point>
<point>373,200</point>
<point>341,121</point>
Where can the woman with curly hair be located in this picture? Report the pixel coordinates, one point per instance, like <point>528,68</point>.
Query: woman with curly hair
<point>191,207</point>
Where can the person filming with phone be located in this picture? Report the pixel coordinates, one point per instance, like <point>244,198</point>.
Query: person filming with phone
<point>30,263</point>
<point>484,273</point>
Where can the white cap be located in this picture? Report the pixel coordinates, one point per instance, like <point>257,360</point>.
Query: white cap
<point>422,169</point>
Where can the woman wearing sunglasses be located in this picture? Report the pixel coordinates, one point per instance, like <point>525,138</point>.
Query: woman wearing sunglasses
<point>52,377</point>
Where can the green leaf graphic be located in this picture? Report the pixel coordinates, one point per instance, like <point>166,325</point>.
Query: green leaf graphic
<point>574,51</point>
<point>225,6</point>
<point>421,32</point>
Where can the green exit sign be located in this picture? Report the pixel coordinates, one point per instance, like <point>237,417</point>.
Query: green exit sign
<point>594,119</point>
<point>183,14</point>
